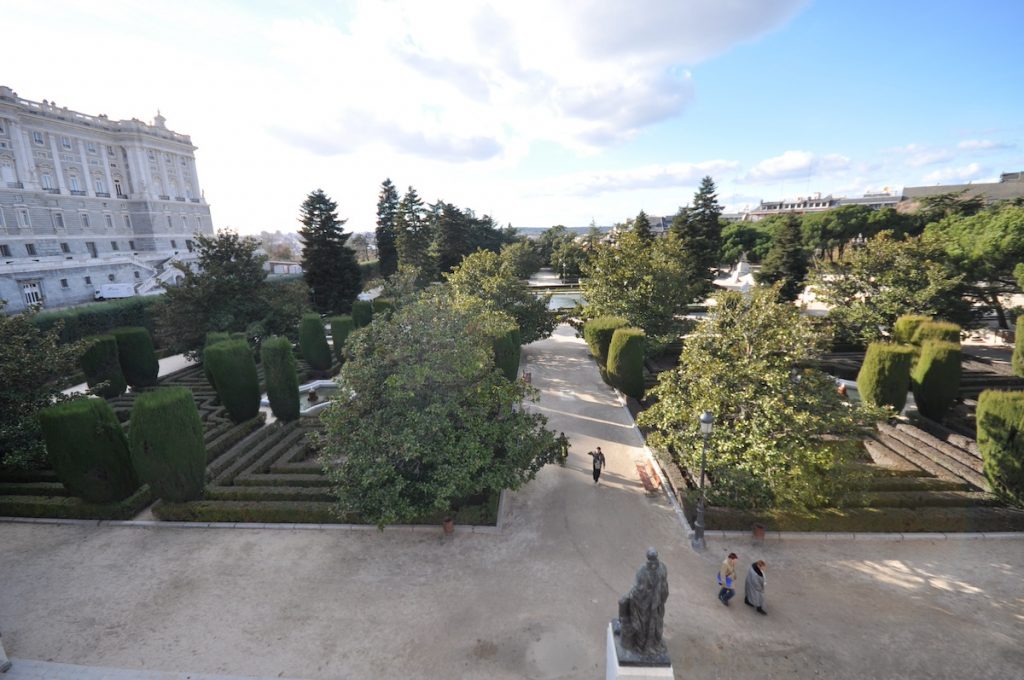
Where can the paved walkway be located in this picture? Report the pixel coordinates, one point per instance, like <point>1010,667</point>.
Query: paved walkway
<point>532,602</point>
<point>170,364</point>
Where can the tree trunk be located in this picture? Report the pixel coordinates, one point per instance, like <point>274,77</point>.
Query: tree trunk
<point>1000,314</point>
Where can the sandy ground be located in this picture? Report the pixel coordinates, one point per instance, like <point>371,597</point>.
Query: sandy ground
<point>532,602</point>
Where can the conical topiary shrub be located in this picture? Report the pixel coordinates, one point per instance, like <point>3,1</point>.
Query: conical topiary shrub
<point>282,377</point>
<point>138,359</point>
<point>362,312</point>
<point>935,379</point>
<point>905,327</point>
<point>341,326</point>
<point>212,338</point>
<point>313,342</point>
<point>944,331</point>
<point>88,450</point>
<point>598,334</point>
<point>884,377</point>
<point>166,443</point>
<point>234,376</point>
<point>100,364</point>
<point>507,350</point>
<point>1017,360</point>
<point>1000,417</point>
<point>626,361</point>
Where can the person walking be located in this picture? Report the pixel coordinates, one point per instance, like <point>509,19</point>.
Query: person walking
<point>563,448</point>
<point>753,587</point>
<point>726,579</point>
<point>599,462</point>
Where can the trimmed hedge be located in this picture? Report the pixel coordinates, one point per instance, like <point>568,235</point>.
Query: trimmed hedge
<point>905,327</point>
<point>341,326</point>
<point>884,377</point>
<point>598,334</point>
<point>935,379</point>
<point>166,441</point>
<point>362,312</point>
<point>1000,418</point>
<point>944,331</point>
<point>313,342</point>
<point>100,364</point>
<point>98,318</point>
<point>212,338</point>
<point>1018,348</point>
<point>281,374</point>
<point>88,450</point>
<point>383,306</point>
<point>138,359</point>
<point>69,507</point>
<point>234,376</point>
<point>507,351</point>
<point>626,361</point>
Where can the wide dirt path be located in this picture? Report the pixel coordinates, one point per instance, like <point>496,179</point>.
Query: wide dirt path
<point>531,602</point>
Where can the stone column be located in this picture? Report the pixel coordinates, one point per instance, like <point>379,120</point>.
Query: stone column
<point>161,165</point>
<point>197,192</point>
<point>106,168</point>
<point>58,167</point>
<point>87,175</point>
<point>23,162</point>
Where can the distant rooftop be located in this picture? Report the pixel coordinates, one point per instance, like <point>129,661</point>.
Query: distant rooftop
<point>1009,186</point>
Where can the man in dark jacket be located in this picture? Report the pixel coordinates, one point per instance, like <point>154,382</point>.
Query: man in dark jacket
<point>599,462</point>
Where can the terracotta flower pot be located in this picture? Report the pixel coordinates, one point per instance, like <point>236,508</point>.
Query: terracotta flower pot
<point>449,525</point>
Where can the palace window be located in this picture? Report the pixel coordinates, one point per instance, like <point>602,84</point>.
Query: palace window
<point>85,220</point>
<point>184,223</point>
<point>174,244</point>
<point>73,181</point>
<point>131,245</point>
<point>90,147</point>
<point>47,180</point>
<point>5,250</point>
<point>58,220</point>
<point>37,137</point>
<point>30,248</point>
<point>91,247</point>
<point>31,292</point>
<point>23,219</point>
<point>110,221</point>
<point>170,222</point>
<point>127,221</point>
<point>114,245</point>
<point>65,142</point>
<point>88,280</point>
<point>190,245</point>
<point>64,283</point>
<point>99,186</point>
<point>138,275</point>
<point>65,248</point>
<point>111,277</point>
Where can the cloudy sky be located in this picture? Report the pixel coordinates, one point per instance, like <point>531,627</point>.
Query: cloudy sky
<point>541,112</point>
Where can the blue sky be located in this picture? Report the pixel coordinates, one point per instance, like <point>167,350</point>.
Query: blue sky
<point>538,112</point>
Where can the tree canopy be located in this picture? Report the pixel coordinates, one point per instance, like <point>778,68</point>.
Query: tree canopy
<point>387,227</point>
<point>431,420</point>
<point>328,264</point>
<point>786,261</point>
<point>742,364</point>
<point>699,232</point>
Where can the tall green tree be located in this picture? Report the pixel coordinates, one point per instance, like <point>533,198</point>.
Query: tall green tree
<point>699,231</point>
<point>413,238</point>
<point>521,258</point>
<point>227,291</point>
<point>741,363</point>
<point>549,240</point>
<point>329,265</point>
<point>751,238</point>
<point>32,362</point>
<point>830,231</point>
<point>642,226</point>
<point>885,280</point>
<point>387,228</point>
<point>431,420</point>
<point>786,261</point>
<point>452,238</point>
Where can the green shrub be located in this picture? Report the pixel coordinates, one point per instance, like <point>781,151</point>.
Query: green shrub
<point>1018,348</point>
<point>1000,418</point>
<point>362,312</point>
<point>166,442</point>
<point>905,327</point>
<point>100,364</point>
<point>884,378</point>
<point>507,350</point>
<point>88,450</point>
<point>935,379</point>
<point>341,326</point>
<point>598,334</point>
<point>234,376</point>
<point>212,338</point>
<point>282,378</point>
<point>98,318</point>
<point>313,342</point>
<point>626,361</point>
<point>944,331</point>
<point>138,359</point>
<point>383,306</point>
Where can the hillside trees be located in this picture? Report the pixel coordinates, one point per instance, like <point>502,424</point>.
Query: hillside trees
<point>386,232</point>
<point>700,234</point>
<point>329,265</point>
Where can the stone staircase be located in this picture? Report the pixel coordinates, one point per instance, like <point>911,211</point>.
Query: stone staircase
<point>953,459</point>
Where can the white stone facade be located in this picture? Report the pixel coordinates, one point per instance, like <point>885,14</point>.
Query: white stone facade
<point>85,201</point>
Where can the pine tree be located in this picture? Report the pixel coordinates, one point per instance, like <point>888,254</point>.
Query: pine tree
<point>786,260</point>
<point>387,215</point>
<point>329,264</point>
<point>413,237</point>
<point>642,226</point>
<point>451,237</point>
<point>700,233</point>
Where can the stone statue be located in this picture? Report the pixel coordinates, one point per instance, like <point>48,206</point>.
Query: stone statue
<point>641,619</point>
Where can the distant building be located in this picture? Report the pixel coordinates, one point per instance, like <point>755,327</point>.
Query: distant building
<point>818,203</point>
<point>1009,187</point>
<point>87,201</point>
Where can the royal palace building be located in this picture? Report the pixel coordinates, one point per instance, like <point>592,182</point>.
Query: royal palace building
<point>86,202</point>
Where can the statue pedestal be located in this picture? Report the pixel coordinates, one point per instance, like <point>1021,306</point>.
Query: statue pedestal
<point>620,665</point>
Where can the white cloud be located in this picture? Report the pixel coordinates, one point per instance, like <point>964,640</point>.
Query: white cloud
<point>984,145</point>
<point>966,173</point>
<point>796,164</point>
<point>916,155</point>
<point>672,175</point>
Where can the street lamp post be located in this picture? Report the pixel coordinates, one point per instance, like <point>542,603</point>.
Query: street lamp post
<point>707,423</point>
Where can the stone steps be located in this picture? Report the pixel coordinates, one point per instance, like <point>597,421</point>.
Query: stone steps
<point>935,461</point>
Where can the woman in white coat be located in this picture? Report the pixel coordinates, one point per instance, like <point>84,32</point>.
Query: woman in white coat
<point>753,587</point>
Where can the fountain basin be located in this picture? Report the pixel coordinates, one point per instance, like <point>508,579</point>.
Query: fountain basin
<point>325,391</point>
